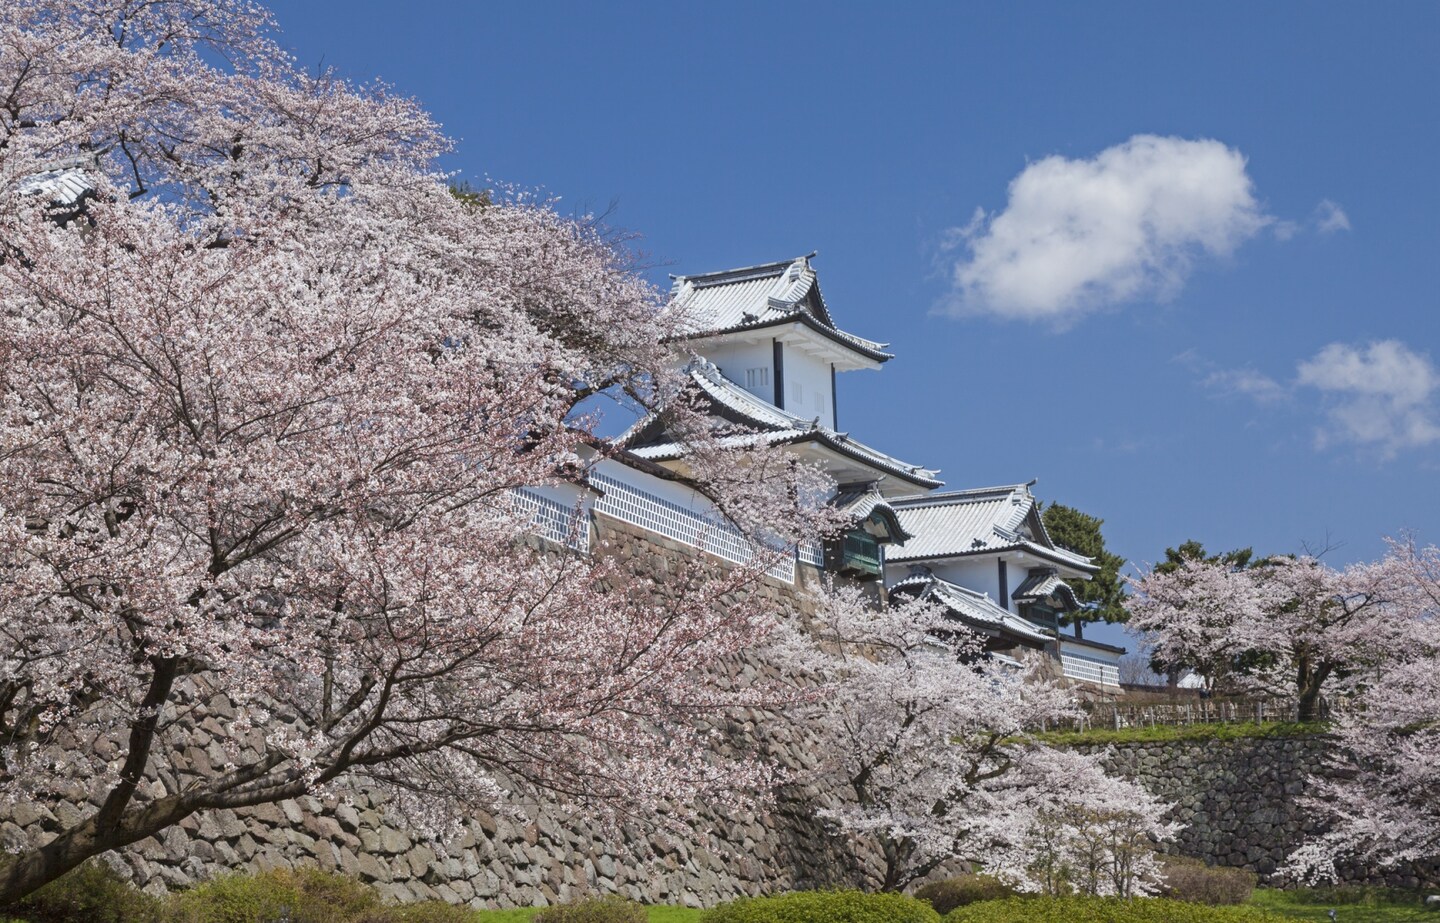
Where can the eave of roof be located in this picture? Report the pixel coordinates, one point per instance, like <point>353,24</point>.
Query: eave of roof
<point>65,184</point>
<point>774,426</point>
<point>972,607</point>
<point>1053,555</point>
<point>867,348</point>
<point>836,442</point>
<point>1098,645</point>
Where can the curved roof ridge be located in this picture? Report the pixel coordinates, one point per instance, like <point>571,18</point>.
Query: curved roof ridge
<point>974,606</point>
<point>740,273</point>
<point>757,297</point>
<point>969,493</point>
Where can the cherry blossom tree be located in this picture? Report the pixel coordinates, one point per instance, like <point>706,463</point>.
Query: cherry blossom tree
<point>935,742</point>
<point>1201,614</point>
<point>264,402</point>
<point>1330,621</point>
<point>1097,835</point>
<point>1381,787</point>
<point>1284,625</point>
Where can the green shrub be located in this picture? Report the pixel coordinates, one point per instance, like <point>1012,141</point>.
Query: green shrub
<point>824,907</point>
<point>426,912</point>
<point>1105,910</point>
<point>1351,894</point>
<point>301,896</point>
<point>304,896</point>
<point>946,895</point>
<point>92,893</point>
<point>1187,879</point>
<point>609,909</point>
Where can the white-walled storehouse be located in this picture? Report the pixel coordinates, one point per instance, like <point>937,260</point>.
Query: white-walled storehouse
<point>767,354</point>
<point>990,547</point>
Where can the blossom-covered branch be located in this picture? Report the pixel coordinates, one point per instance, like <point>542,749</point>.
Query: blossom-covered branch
<point>264,402</point>
<point>935,742</point>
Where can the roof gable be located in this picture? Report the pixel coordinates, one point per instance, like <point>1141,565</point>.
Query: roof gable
<point>756,297</point>
<point>978,521</point>
<point>762,421</point>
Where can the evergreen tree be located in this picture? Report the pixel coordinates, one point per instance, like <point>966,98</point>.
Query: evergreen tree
<point>1191,550</point>
<point>1103,596</point>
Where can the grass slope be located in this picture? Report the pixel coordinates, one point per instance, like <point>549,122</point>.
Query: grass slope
<point>1353,905</point>
<point>523,915</point>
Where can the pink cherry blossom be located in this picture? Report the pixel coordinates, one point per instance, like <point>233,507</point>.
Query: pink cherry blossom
<point>264,401</point>
<point>1380,790</point>
<point>935,743</point>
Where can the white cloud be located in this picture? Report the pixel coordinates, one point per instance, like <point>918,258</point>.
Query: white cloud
<point>1330,217</point>
<point>1285,229</point>
<point>1252,384</point>
<point>1081,235</point>
<point>1381,395</point>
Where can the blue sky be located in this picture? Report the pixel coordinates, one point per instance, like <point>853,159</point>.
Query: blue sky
<point>1235,341</point>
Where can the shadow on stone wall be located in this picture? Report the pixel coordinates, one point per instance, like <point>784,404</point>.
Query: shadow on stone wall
<point>499,860</point>
<point>1239,801</point>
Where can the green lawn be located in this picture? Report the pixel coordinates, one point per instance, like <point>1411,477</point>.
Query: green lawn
<point>1351,906</point>
<point>657,915</point>
<point>1354,906</point>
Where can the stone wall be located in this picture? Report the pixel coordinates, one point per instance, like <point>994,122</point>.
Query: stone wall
<point>1236,798</point>
<point>505,860</point>
<point>1239,800</point>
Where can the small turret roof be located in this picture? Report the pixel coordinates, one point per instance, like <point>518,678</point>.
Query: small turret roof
<point>770,424</point>
<point>976,610</point>
<point>865,502</point>
<point>1041,585</point>
<point>756,297</point>
<point>983,520</point>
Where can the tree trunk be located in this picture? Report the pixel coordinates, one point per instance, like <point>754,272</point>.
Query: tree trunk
<point>28,871</point>
<point>1310,684</point>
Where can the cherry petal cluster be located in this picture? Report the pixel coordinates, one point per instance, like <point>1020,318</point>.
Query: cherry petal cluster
<point>934,741</point>
<point>1381,788</point>
<point>264,402</point>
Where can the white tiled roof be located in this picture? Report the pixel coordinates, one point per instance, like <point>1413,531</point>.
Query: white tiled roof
<point>63,185</point>
<point>1043,586</point>
<point>778,427</point>
<point>761,296</point>
<point>971,607</point>
<point>864,501</point>
<point>985,519</point>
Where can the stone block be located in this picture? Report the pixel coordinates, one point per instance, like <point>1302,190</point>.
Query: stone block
<point>372,869</point>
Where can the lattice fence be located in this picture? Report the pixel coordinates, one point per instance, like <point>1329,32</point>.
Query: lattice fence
<point>1089,670</point>
<point>708,533</point>
<point>553,520</point>
<point>1117,715</point>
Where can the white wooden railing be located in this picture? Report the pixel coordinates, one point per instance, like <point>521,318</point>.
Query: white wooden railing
<point>707,532</point>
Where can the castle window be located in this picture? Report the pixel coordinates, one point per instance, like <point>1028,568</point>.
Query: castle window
<point>855,554</point>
